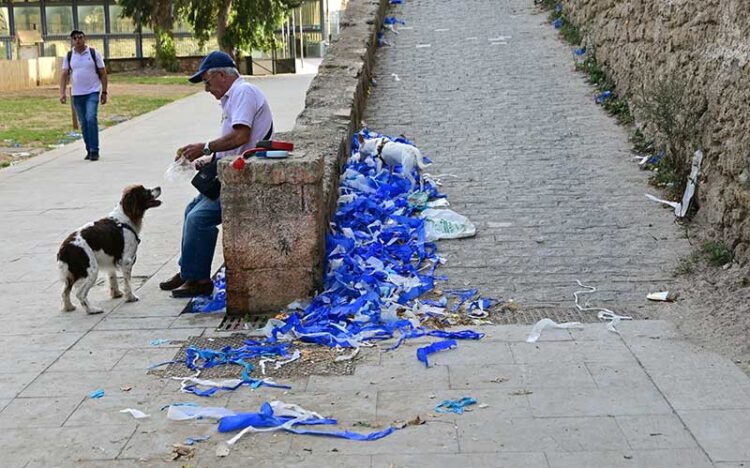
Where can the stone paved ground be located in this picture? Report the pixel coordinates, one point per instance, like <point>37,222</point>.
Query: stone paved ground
<point>555,199</point>
<point>546,176</point>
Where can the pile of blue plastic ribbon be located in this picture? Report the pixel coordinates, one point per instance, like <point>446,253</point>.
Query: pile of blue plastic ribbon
<point>377,265</point>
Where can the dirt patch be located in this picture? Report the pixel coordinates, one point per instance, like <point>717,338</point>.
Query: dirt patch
<point>713,311</point>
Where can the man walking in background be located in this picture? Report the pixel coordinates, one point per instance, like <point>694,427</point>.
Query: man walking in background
<point>89,79</point>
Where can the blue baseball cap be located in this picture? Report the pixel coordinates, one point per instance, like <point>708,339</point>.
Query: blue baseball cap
<point>216,59</point>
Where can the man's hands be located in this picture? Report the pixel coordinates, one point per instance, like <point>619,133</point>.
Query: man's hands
<point>103,97</point>
<point>63,98</point>
<point>202,161</point>
<point>190,152</point>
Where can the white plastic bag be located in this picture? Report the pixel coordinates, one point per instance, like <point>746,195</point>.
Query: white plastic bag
<point>446,224</point>
<point>180,170</point>
<point>183,413</point>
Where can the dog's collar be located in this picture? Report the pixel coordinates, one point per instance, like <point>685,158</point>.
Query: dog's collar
<point>122,225</point>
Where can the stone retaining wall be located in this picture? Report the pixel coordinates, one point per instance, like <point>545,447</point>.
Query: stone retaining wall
<point>276,211</point>
<point>708,41</point>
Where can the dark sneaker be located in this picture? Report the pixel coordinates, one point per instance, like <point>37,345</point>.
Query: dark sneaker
<point>172,283</point>
<point>88,156</point>
<point>193,288</point>
<point>94,157</point>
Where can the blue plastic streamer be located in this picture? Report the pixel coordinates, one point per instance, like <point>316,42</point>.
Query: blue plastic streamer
<point>425,351</point>
<point>377,259</point>
<point>265,418</point>
<point>455,406</point>
<point>96,394</point>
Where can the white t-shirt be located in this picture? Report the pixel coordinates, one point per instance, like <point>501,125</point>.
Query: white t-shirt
<point>244,104</point>
<point>84,78</point>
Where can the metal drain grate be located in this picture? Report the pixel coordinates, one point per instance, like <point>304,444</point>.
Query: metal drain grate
<point>318,360</point>
<point>523,316</point>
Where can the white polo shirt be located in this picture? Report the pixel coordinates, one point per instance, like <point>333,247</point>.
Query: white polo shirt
<point>84,77</point>
<point>244,104</point>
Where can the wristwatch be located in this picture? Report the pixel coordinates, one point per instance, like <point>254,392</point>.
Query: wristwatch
<point>207,150</point>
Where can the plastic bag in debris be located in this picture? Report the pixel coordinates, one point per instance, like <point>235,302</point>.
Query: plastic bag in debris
<point>180,170</point>
<point>446,224</point>
<point>183,413</point>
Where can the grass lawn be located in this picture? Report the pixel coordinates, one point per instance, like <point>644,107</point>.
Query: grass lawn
<point>34,119</point>
<point>150,80</point>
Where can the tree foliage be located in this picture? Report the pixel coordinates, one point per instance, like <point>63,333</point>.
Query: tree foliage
<point>159,15</point>
<point>240,25</point>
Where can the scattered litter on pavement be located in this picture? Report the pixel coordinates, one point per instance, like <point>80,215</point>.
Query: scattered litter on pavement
<point>278,415</point>
<point>425,351</point>
<point>395,77</point>
<point>536,330</point>
<point>137,414</point>
<point>400,424</point>
<point>423,46</point>
<point>126,388</point>
<point>499,39</point>
<point>455,406</point>
<point>347,357</point>
<point>442,29</point>
<point>222,450</point>
<point>96,394</point>
<point>182,452</point>
<point>158,342</point>
<point>185,412</point>
<point>603,314</point>
<point>196,439</point>
<point>521,393</point>
<point>664,296</point>
<point>217,301</point>
<point>396,2</point>
<point>681,208</point>
<point>484,405</point>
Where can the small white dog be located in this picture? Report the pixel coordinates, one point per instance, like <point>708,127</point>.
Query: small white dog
<point>395,154</point>
<point>109,244</point>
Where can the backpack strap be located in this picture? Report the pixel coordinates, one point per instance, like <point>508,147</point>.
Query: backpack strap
<point>93,59</point>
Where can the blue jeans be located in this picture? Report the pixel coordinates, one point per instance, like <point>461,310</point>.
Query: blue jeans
<point>87,106</point>
<point>199,233</point>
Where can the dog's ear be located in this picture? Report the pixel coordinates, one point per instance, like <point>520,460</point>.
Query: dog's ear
<point>360,138</point>
<point>131,203</point>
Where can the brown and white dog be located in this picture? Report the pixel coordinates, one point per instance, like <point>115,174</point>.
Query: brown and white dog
<point>108,244</point>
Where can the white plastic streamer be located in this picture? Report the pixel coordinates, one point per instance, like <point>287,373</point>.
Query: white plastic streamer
<point>680,209</point>
<point>184,413</point>
<point>280,409</point>
<point>536,330</point>
<point>603,314</point>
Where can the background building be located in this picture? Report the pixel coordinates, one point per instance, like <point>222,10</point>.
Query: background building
<point>117,37</point>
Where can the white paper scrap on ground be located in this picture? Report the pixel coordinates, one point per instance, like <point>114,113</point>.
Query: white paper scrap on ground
<point>499,43</point>
<point>680,209</point>
<point>442,29</point>
<point>536,330</point>
<point>660,296</point>
<point>499,38</point>
<point>395,77</point>
<point>422,46</point>
<point>137,414</point>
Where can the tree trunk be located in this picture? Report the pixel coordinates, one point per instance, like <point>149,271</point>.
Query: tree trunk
<point>221,27</point>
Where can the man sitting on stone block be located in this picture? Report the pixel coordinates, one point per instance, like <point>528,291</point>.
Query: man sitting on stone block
<point>245,119</point>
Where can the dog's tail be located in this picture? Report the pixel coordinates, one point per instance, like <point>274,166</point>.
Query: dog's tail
<point>421,164</point>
